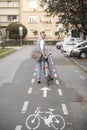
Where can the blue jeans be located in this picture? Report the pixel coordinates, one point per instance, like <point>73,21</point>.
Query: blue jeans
<point>39,68</point>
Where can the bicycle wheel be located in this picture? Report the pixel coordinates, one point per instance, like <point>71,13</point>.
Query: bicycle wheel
<point>47,78</point>
<point>58,122</point>
<point>32,122</point>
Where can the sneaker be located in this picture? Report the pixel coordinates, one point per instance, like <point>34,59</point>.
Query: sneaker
<point>38,81</point>
<point>50,77</point>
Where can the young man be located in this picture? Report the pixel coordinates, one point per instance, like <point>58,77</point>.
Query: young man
<point>41,48</point>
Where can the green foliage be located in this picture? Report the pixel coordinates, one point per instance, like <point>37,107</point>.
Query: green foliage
<point>13,29</point>
<point>71,12</point>
<point>35,32</point>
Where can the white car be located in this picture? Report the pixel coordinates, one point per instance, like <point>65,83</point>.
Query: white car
<point>68,50</point>
<point>59,44</point>
<point>69,43</point>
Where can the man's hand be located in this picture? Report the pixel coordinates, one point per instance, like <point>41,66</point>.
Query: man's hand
<point>45,57</point>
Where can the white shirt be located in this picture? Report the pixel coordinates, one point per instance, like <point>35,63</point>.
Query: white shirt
<point>42,44</point>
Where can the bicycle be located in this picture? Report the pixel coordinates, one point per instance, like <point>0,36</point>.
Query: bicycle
<point>55,121</point>
<point>45,68</point>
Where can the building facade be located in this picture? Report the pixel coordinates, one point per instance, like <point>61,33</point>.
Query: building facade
<point>30,14</point>
<point>35,19</point>
<point>9,12</point>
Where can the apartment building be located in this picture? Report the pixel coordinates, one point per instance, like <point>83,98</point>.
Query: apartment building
<point>30,14</point>
<point>35,19</point>
<point>9,12</point>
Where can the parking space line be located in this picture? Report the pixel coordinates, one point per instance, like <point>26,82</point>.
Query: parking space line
<point>65,111</point>
<point>82,77</point>
<point>24,108</point>
<point>76,71</point>
<point>19,127</point>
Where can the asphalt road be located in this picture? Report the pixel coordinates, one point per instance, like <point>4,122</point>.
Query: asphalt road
<point>22,99</point>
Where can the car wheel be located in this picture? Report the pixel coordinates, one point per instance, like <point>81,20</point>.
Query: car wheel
<point>83,55</point>
<point>71,54</point>
<point>57,47</point>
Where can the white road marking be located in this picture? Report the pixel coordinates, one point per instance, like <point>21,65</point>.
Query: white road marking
<point>24,108</point>
<point>34,74</point>
<point>60,92</point>
<point>19,127</point>
<point>57,82</point>
<point>55,75</point>
<point>52,63</point>
<point>65,111</point>
<point>81,77</point>
<point>69,123</point>
<point>32,81</point>
<point>76,71</point>
<point>30,90</point>
<point>54,70</point>
<point>45,91</point>
<point>36,69</point>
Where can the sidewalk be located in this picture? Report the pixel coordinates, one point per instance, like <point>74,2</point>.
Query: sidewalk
<point>82,63</point>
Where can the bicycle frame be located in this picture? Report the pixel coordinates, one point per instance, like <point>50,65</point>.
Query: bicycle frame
<point>48,120</point>
<point>46,69</point>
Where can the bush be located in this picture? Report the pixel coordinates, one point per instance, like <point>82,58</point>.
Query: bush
<point>13,29</point>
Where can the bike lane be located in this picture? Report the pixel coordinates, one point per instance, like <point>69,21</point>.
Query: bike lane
<point>44,99</point>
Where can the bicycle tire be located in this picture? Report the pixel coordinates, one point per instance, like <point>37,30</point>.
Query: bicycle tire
<point>58,122</point>
<point>47,80</point>
<point>32,122</point>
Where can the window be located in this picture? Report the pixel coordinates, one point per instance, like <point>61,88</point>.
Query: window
<point>33,4</point>
<point>31,32</point>
<point>47,19</point>
<point>11,17</point>
<point>32,19</point>
<point>11,4</point>
<point>48,32</point>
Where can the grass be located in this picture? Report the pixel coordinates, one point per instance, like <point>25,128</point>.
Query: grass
<point>6,51</point>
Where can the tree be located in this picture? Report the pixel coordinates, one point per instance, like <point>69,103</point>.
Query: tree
<point>35,32</point>
<point>13,29</point>
<point>71,13</point>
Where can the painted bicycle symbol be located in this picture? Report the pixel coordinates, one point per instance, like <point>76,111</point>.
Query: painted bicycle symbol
<point>55,121</point>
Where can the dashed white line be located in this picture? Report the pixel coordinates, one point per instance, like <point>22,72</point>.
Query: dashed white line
<point>65,111</point>
<point>36,69</point>
<point>19,127</point>
<point>30,90</point>
<point>34,74</point>
<point>54,70</point>
<point>24,108</point>
<point>55,75</point>
<point>60,92</point>
<point>57,82</point>
<point>32,81</point>
<point>52,63</point>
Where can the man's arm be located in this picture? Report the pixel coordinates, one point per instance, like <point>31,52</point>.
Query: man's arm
<point>42,46</point>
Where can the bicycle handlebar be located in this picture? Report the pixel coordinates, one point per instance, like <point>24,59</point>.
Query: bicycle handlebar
<point>45,58</point>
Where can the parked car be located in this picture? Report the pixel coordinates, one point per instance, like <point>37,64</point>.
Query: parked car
<point>70,42</point>
<point>68,51</point>
<point>59,44</point>
<point>80,52</point>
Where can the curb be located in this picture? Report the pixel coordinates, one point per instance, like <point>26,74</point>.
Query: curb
<point>79,65</point>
